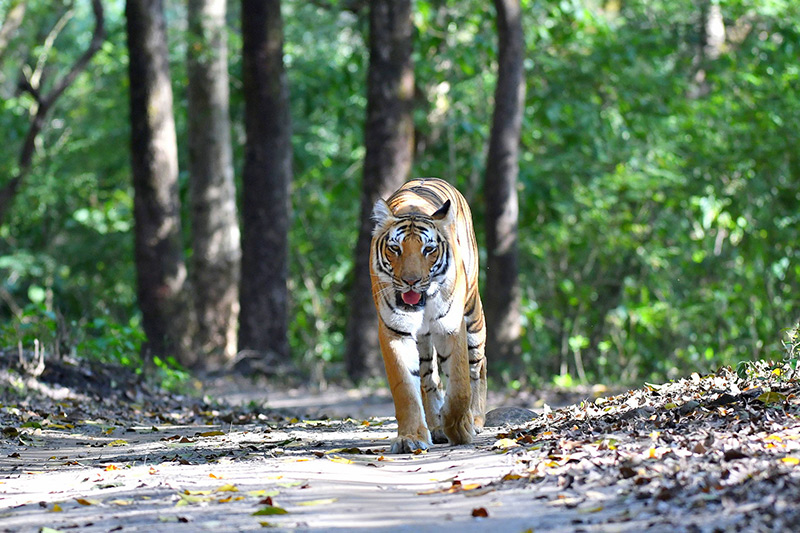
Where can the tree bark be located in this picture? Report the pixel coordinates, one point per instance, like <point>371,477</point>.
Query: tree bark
<point>388,138</point>
<point>160,269</point>
<point>709,47</point>
<point>502,294</point>
<point>263,323</point>
<point>216,253</point>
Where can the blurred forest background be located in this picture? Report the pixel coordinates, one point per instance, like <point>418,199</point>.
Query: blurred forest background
<point>659,176</point>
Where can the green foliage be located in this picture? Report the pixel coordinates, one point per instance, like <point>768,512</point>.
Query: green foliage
<point>658,186</point>
<point>657,224</point>
<point>170,375</point>
<point>326,60</point>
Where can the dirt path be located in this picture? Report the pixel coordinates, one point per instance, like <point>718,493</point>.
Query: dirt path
<point>715,453</point>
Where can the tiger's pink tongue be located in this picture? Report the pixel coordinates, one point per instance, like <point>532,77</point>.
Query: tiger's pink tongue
<point>411,297</point>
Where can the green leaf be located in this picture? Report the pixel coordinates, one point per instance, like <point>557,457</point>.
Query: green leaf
<point>772,397</point>
<point>270,510</point>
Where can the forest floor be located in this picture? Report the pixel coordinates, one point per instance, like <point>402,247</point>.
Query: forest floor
<point>93,450</point>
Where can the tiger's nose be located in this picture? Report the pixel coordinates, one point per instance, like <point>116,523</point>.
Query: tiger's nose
<point>411,280</point>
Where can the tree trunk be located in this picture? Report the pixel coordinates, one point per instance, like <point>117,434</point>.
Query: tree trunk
<point>502,295</point>
<point>215,229</point>
<point>709,47</point>
<point>388,137</point>
<point>160,268</point>
<point>266,180</point>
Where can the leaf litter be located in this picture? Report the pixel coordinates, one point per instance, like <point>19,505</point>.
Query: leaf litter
<point>717,451</point>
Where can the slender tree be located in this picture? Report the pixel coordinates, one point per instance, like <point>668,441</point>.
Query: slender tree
<point>388,137</point>
<point>710,46</point>
<point>266,180</point>
<point>502,288</point>
<point>160,268</point>
<point>215,229</point>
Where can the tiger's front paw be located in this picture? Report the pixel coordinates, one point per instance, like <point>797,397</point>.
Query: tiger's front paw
<point>409,444</point>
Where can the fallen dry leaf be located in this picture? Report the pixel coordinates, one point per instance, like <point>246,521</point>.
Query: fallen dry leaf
<point>456,486</point>
<point>322,501</point>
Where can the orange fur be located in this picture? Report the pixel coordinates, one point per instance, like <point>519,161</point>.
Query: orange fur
<point>424,269</point>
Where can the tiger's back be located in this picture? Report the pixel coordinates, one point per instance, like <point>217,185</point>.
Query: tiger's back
<point>424,268</point>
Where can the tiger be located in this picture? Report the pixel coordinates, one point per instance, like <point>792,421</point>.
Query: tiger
<point>424,274</point>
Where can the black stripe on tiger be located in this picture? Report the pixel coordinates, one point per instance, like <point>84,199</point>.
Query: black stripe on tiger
<point>396,331</point>
<point>428,195</point>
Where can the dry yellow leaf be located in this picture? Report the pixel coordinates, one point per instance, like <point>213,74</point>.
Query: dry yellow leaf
<point>323,501</point>
<point>51,425</point>
<point>504,444</point>
<point>338,459</point>
<point>791,460</point>
<point>456,486</point>
<point>214,433</point>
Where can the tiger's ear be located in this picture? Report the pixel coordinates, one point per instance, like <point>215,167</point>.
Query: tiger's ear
<point>381,213</point>
<point>442,212</point>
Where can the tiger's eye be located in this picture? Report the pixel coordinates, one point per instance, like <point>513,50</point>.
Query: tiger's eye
<point>394,249</point>
<point>429,249</point>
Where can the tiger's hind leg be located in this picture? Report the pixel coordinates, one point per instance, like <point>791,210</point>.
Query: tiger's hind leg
<point>477,376</point>
<point>431,384</point>
<point>476,344</point>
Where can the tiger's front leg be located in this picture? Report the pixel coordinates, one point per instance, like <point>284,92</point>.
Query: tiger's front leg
<point>401,359</point>
<point>457,417</point>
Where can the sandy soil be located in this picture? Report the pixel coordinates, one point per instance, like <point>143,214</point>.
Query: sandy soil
<point>706,453</point>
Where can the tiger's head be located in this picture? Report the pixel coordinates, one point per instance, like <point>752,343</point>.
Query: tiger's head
<point>411,250</point>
